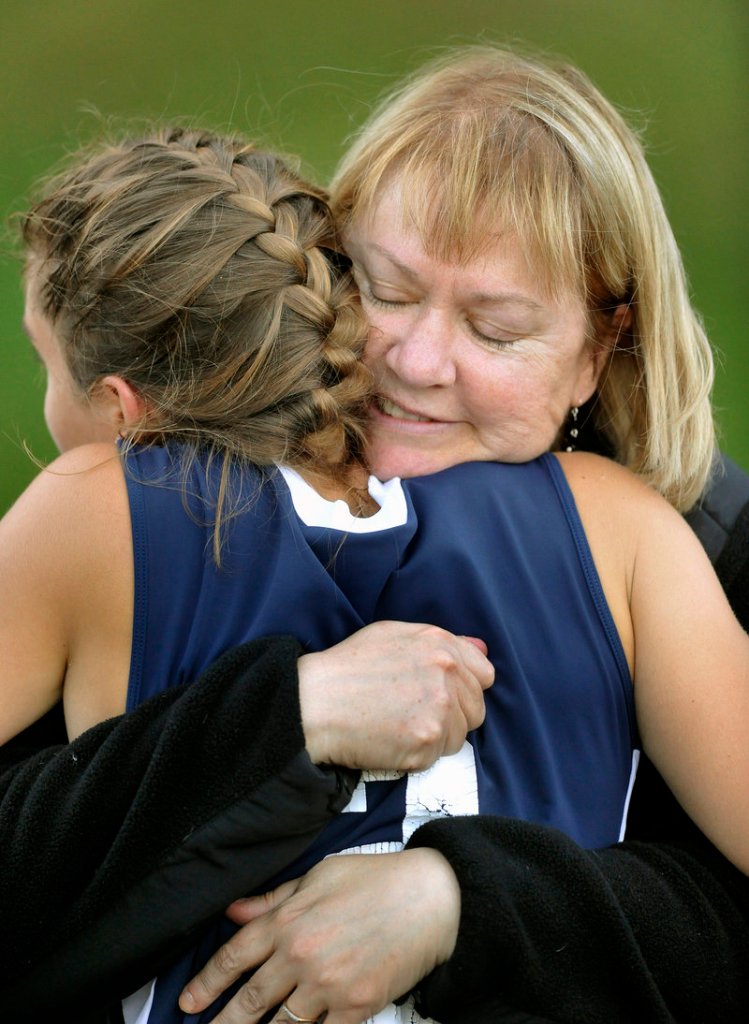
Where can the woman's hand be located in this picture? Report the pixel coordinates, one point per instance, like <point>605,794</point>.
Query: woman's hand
<point>395,696</point>
<point>349,937</point>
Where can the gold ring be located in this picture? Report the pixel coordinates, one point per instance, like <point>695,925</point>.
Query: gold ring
<point>298,1020</point>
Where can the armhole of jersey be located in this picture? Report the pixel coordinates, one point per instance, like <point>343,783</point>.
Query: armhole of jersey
<point>140,580</point>
<point>567,501</point>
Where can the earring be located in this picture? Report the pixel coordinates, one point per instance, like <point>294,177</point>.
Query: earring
<point>571,433</point>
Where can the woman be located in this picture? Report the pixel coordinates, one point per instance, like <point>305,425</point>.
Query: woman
<point>409,418</point>
<point>460,149</point>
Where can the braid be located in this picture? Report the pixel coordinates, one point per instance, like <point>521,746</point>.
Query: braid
<point>208,274</point>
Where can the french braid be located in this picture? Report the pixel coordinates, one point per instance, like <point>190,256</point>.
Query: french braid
<point>208,274</point>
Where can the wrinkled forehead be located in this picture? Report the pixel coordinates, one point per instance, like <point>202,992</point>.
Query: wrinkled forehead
<point>458,228</point>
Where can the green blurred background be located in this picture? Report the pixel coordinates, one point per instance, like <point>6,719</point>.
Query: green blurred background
<point>302,75</point>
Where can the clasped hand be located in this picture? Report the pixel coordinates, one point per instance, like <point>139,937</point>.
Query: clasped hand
<point>345,940</point>
<point>395,695</point>
<point>356,932</point>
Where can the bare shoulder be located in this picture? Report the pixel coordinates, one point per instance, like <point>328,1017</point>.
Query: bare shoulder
<point>587,470</point>
<point>85,472</point>
<point>73,508</point>
<point>600,485</point>
<point>66,590</point>
<point>90,467</point>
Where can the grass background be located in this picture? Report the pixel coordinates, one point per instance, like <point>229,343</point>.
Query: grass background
<point>302,75</point>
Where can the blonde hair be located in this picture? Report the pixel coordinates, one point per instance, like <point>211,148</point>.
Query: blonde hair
<point>485,136</point>
<point>207,274</point>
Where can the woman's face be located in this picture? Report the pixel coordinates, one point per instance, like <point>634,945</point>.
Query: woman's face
<point>472,361</point>
<point>72,418</point>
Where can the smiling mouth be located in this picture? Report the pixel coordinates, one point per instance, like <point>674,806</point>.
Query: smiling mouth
<point>397,412</point>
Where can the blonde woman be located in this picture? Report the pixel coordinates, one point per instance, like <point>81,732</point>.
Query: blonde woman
<point>479,193</point>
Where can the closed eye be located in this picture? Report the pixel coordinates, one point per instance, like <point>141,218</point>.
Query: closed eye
<point>370,296</point>
<point>391,300</point>
<point>498,340</point>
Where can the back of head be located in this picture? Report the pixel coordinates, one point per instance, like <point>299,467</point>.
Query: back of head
<point>485,142</point>
<point>207,274</point>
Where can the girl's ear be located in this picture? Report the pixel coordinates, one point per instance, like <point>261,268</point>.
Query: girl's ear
<point>121,404</point>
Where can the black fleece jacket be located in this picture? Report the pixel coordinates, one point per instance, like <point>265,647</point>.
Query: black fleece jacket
<point>114,848</point>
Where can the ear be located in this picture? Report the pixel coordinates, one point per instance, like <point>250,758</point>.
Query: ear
<point>121,404</point>
<point>587,380</point>
<point>619,322</point>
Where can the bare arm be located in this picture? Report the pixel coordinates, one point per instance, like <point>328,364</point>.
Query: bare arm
<point>692,682</point>
<point>66,584</point>
<point>689,654</point>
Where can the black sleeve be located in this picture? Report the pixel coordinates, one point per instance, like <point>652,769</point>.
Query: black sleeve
<point>653,932</point>
<point>653,929</point>
<point>196,797</point>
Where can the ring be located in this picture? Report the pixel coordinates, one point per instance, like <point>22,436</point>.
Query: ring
<point>298,1020</point>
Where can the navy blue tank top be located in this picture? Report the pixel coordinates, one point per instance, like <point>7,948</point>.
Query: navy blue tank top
<point>491,550</point>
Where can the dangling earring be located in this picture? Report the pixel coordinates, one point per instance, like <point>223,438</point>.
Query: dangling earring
<point>571,433</point>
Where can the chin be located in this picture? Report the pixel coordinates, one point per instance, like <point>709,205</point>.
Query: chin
<point>387,462</point>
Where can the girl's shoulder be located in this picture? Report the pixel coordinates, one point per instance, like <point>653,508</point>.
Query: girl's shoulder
<point>611,495</point>
<point>87,472</point>
<point>73,514</point>
<point>65,581</point>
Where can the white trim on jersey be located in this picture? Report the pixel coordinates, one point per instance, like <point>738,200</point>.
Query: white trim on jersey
<point>136,1007</point>
<point>314,510</point>
<point>628,797</point>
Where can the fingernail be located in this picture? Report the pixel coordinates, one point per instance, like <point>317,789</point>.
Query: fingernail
<point>186,1000</point>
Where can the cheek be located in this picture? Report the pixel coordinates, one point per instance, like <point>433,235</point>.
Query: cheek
<point>515,408</point>
<point>495,389</point>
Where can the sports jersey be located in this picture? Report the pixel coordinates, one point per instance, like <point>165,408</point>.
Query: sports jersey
<point>496,551</point>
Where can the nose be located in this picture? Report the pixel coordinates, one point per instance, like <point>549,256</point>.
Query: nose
<point>421,354</point>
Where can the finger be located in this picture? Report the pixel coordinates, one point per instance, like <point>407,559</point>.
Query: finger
<point>475,655</point>
<point>241,952</point>
<point>265,990</point>
<point>476,676</point>
<point>300,1003</point>
<point>251,907</point>
<point>477,642</point>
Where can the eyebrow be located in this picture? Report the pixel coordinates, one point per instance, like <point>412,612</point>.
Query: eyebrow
<point>486,298</point>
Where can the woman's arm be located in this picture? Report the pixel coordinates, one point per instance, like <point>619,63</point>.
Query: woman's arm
<point>688,653</point>
<point>93,834</point>
<point>655,931</point>
<point>208,789</point>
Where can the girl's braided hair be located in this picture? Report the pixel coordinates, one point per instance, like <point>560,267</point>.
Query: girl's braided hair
<point>208,274</point>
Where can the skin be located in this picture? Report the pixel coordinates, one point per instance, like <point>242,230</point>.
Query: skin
<point>473,362</point>
<point>72,417</point>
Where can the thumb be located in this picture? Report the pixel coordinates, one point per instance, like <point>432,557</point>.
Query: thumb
<point>251,907</point>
